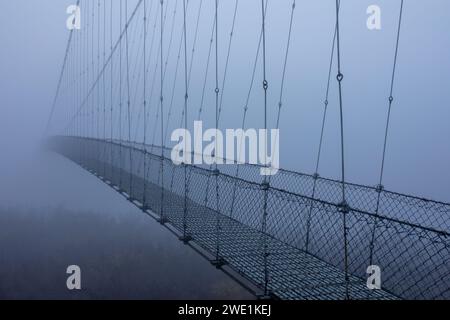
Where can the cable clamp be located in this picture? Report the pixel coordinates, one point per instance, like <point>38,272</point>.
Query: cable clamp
<point>344,207</point>
<point>265,186</point>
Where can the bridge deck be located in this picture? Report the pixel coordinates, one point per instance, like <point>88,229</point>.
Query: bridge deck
<point>294,274</point>
<point>300,246</point>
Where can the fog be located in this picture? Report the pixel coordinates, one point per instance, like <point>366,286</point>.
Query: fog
<point>50,208</point>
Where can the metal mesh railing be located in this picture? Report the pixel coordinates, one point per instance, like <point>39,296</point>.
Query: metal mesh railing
<point>304,246</point>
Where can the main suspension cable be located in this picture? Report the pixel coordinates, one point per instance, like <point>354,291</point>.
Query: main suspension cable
<point>61,76</point>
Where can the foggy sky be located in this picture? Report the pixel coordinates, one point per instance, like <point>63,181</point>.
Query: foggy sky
<point>34,36</point>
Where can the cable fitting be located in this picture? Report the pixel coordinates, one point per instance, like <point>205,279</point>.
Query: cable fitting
<point>344,207</point>
<point>340,77</point>
<point>379,188</point>
<point>265,186</point>
<point>265,84</point>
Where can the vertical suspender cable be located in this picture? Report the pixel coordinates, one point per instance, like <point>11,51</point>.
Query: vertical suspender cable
<point>283,77</point>
<point>144,202</point>
<point>104,90</point>
<point>319,151</point>
<point>166,63</point>
<point>339,78</point>
<point>216,158</point>
<point>86,73</point>
<point>244,115</point>
<point>161,104</point>
<point>141,72</point>
<point>380,186</point>
<point>93,70</point>
<point>58,87</point>
<point>112,87</point>
<point>185,235</point>
<point>236,4</point>
<point>128,99</point>
<point>120,98</point>
<point>194,42</point>
<point>77,89</point>
<point>80,89</point>
<point>169,113</point>
<point>98,68</point>
<point>265,184</point>
<point>343,206</point>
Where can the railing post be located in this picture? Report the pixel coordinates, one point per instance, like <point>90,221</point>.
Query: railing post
<point>218,261</point>
<point>265,186</point>
<point>344,208</point>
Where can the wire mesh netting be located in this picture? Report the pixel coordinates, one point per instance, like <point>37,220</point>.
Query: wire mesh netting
<point>291,238</point>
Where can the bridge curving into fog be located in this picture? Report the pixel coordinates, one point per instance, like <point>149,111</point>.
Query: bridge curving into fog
<point>289,236</point>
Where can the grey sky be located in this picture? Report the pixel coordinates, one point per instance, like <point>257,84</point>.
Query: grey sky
<point>34,36</point>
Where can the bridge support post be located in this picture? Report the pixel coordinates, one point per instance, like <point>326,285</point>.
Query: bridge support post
<point>185,238</point>
<point>265,296</point>
<point>345,209</point>
<point>162,220</point>
<point>218,263</point>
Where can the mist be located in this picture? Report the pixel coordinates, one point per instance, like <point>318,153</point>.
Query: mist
<point>54,214</point>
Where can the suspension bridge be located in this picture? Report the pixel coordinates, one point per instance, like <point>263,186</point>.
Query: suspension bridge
<point>288,236</point>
